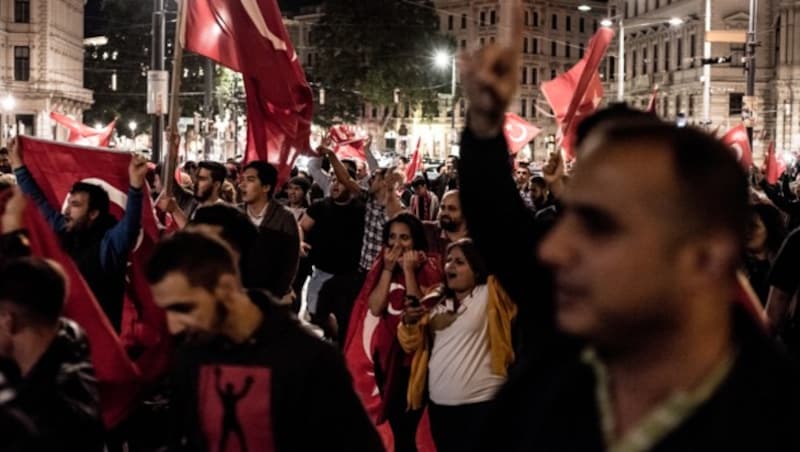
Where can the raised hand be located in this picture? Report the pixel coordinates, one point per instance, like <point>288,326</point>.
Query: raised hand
<point>137,171</point>
<point>15,153</point>
<point>490,77</point>
<point>11,219</point>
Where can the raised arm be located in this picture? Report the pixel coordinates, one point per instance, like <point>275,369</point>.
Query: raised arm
<point>31,188</point>
<point>119,240</point>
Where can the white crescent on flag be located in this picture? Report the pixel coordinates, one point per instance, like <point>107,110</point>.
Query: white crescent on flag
<point>518,137</point>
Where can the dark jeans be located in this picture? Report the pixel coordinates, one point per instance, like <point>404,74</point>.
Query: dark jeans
<point>403,422</point>
<point>337,297</point>
<point>458,428</point>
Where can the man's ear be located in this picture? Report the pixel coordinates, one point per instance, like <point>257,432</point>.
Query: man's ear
<point>93,214</point>
<point>227,286</point>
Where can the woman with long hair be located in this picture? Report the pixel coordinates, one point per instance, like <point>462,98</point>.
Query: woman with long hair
<point>400,275</point>
<point>463,345</point>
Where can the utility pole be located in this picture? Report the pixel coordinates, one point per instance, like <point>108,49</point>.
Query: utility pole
<point>707,69</point>
<point>157,46</point>
<point>751,67</point>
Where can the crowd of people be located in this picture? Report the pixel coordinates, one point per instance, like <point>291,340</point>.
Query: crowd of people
<point>590,308</point>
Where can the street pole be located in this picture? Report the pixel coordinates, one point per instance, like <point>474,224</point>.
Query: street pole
<point>207,104</point>
<point>158,45</point>
<point>751,66</point>
<point>453,96</point>
<point>621,64</point>
<point>707,69</point>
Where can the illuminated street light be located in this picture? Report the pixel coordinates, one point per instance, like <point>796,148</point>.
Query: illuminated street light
<point>584,8</point>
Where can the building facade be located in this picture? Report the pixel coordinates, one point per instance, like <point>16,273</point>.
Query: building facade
<point>41,65</point>
<point>668,56</point>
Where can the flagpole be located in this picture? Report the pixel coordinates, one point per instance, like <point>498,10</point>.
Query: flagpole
<point>171,162</point>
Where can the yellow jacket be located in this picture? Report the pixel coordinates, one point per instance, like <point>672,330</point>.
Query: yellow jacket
<point>416,339</point>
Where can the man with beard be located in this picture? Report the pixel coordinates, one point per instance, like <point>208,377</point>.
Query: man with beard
<point>450,227</point>
<point>95,240</point>
<point>247,372</point>
<point>207,190</point>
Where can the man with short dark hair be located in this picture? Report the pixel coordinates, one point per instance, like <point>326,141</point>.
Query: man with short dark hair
<point>258,185</point>
<point>207,192</point>
<point>56,387</point>
<point>424,203</point>
<point>644,347</point>
<point>248,374</point>
<point>450,226</point>
<point>95,240</point>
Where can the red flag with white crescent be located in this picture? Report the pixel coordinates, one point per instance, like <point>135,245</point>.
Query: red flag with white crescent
<point>248,36</point>
<point>347,143</point>
<point>518,132</point>
<point>84,135</point>
<point>415,165</point>
<point>737,139</point>
<point>56,167</point>
<point>774,166</point>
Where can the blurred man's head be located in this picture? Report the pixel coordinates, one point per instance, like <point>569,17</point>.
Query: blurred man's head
<point>210,177</point>
<point>195,279</point>
<point>32,295</point>
<point>420,186</point>
<point>258,182</point>
<point>652,232</point>
<point>5,165</point>
<point>297,191</point>
<point>522,175</point>
<point>87,205</point>
<point>538,190</point>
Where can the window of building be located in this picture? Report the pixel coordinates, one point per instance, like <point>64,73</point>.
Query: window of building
<point>491,39</point>
<point>22,11</point>
<point>523,108</point>
<point>534,113</point>
<point>535,46</point>
<point>678,107</point>
<point>655,59</point>
<point>524,45</point>
<point>633,59</point>
<point>463,43</point>
<point>534,76</point>
<point>692,47</point>
<point>483,19</point>
<point>552,48</point>
<point>22,63</point>
<point>635,8</point>
<point>691,106</point>
<point>665,107</point>
<point>737,55</point>
<point>581,25</point>
<point>535,19</point>
<point>492,17</point>
<point>679,53</point>
<point>554,22</point>
<point>552,74</point>
<point>568,24</point>
<point>567,50</point>
<point>594,26</point>
<point>646,5</point>
<point>450,22</point>
<point>580,51</point>
<point>527,18</point>
<point>483,42</point>
<point>644,61</point>
<point>524,75</point>
<point>626,9</point>
<point>666,55</point>
<point>612,68</point>
<point>658,4</point>
<point>736,102</point>
<point>463,21</point>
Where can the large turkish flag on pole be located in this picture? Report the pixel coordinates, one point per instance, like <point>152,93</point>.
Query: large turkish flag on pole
<point>248,36</point>
<point>56,167</point>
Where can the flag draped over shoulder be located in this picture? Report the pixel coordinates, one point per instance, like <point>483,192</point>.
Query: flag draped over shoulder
<point>56,167</point>
<point>248,36</point>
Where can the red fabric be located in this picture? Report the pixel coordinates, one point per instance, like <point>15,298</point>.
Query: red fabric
<point>577,93</point>
<point>737,139</point>
<point>83,134</point>
<point>248,36</point>
<point>774,166</point>
<point>518,132</point>
<point>368,335</point>
<point>347,144</point>
<point>55,167</point>
<point>651,106</point>
<point>415,165</point>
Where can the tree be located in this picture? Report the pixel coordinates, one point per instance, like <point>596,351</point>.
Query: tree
<point>367,49</point>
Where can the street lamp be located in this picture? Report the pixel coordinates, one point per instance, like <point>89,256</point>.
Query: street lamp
<point>133,125</point>
<point>607,22</point>
<point>584,8</point>
<point>442,58</point>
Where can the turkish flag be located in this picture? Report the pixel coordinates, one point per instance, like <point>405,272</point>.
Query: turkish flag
<point>56,167</point>
<point>518,132</point>
<point>347,144</point>
<point>248,36</point>
<point>415,165</point>
<point>576,93</point>
<point>774,166</point>
<point>737,139</point>
<point>651,106</point>
<point>84,135</point>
